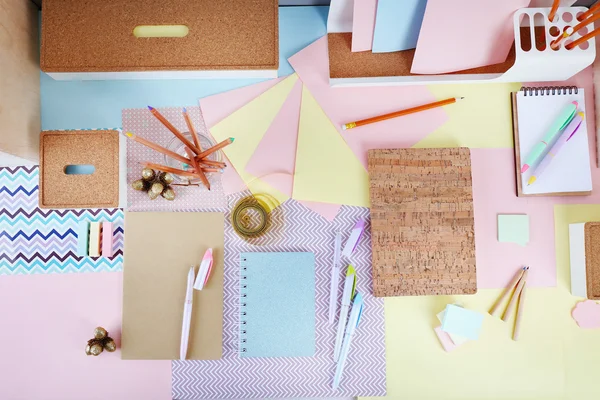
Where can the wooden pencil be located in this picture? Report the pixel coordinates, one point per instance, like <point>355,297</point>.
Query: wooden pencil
<point>589,12</point>
<point>553,10</point>
<point>216,147</point>
<point>509,289</point>
<point>158,148</point>
<point>515,297</point>
<point>213,163</point>
<point>197,168</point>
<point>570,31</point>
<point>173,130</point>
<point>192,130</point>
<point>175,171</point>
<point>582,39</point>
<point>219,170</point>
<point>401,113</point>
<point>520,312</point>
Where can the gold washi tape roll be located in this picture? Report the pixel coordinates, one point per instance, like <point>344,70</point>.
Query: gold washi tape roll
<point>250,216</point>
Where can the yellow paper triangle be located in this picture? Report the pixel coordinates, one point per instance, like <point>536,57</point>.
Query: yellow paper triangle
<point>248,126</point>
<point>326,169</point>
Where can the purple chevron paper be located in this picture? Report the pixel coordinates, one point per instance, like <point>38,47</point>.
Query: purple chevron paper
<point>33,240</point>
<point>294,228</point>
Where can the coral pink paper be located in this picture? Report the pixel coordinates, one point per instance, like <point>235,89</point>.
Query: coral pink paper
<point>587,314</point>
<point>462,34</point>
<point>445,339</point>
<point>46,321</point>
<point>349,104</point>
<point>363,24</point>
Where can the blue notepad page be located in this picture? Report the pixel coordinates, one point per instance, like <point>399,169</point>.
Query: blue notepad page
<point>277,305</point>
<point>397,25</point>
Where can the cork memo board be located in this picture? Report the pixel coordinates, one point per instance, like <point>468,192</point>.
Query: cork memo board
<point>97,35</point>
<point>59,149</point>
<point>422,222</point>
<point>592,259</point>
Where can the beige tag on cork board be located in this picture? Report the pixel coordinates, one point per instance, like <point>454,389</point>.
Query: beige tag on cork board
<point>422,222</point>
<point>79,169</point>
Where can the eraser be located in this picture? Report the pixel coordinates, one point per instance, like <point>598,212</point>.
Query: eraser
<point>107,239</point>
<point>83,232</point>
<point>354,238</point>
<point>94,248</point>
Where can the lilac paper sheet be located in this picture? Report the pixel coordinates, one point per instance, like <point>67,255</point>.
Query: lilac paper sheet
<point>294,228</point>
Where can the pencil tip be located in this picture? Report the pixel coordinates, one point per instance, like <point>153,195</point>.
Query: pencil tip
<point>150,108</point>
<point>232,139</point>
<point>128,134</point>
<point>184,110</point>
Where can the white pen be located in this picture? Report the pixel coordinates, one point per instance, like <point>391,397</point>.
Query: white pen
<point>349,285</point>
<point>335,277</point>
<point>355,314</point>
<point>187,315</point>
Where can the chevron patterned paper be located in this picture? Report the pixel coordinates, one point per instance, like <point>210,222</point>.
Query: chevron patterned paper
<point>36,241</point>
<point>294,228</point>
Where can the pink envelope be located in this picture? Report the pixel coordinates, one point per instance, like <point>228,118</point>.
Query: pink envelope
<point>343,105</point>
<point>462,34</point>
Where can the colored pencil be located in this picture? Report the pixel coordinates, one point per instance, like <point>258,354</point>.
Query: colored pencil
<point>175,171</point>
<point>401,113</point>
<point>216,147</point>
<point>570,31</point>
<point>589,12</point>
<point>158,148</point>
<point>582,39</point>
<point>174,130</point>
<point>197,168</point>
<point>509,289</point>
<point>553,10</point>
<point>515,297</point>
<point>213,163</point>
<point>219,170</point>
<point>520,312</point>
<point>190,126</point>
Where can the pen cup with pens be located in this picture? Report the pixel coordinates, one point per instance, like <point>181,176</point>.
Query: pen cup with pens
<point>179,147</point>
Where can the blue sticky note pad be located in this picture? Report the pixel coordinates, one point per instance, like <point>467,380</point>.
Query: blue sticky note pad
<point>83,236</point>
<point>397,25</point>
<point>462,322</point>
<point>277,305</point>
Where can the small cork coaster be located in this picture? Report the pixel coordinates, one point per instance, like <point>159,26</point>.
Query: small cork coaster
<point>59,149</point>
<point>422,222</point>
<point>592,259</point>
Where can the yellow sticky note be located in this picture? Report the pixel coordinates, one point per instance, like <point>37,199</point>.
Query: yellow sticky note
<point>248,126</point>
<point>326,169</point>
<point>482,119</point>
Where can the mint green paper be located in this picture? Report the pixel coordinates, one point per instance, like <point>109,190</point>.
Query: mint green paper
<point>513,229</point>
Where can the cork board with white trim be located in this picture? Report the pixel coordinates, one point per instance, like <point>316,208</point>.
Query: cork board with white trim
<point>60,149</point>
<point>592,259</point>
<point>97,35</point>
<point>422,222</point>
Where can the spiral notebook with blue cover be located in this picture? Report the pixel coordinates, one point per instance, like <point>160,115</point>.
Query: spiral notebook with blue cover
<point>277,305</point>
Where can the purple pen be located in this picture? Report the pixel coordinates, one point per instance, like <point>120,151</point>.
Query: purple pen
<point>354,238</point>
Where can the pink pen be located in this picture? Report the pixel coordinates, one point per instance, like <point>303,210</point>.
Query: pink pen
<point>570,130</point>
<point>205,270</point>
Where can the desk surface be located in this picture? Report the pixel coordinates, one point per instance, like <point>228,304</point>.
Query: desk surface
<point>554,359</point>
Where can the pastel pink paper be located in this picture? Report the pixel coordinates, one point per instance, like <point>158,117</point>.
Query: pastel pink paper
<point>107,239</point>
<point>343,105</point>
<point>216,107</point>
<point>445,339</point>
<point>587,314</point>
<point>46,322</point>
<point>363,24</point>
<point>462,34</point>
<point>274,159</point>
<point>494,192</point>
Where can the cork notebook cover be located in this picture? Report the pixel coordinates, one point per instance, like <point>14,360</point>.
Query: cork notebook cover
<point>592,259</point>
<point>59,149</point>
<point>160,248</point>
<point>422,222</point>
<point>97,35</point>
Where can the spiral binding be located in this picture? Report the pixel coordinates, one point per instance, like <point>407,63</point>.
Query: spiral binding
<point>243,302</point>
<point>549,90</point>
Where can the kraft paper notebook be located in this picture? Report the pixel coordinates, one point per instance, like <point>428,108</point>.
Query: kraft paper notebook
<point>534,111</point>
<point>277,305</point>
<point>422,222</point>
<point>159,250</point>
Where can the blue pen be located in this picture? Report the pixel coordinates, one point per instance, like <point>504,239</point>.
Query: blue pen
<point>355,314</point>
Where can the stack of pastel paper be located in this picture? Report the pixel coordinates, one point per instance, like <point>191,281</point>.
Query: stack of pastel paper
<point>458,326</point>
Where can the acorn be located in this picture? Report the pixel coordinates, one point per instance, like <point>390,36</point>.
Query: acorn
<point>166,178</point>
<point>153,195</point>
<point>148,174</point>
<point>100,333</point>
<point>110,345</point>
<point>168,194</point>
<point>157,187</point>
<point>96,349</point>
<point>141,185</point>
<point>88,350</point>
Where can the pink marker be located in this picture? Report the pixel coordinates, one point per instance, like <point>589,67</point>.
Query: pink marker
<point>204,271</point>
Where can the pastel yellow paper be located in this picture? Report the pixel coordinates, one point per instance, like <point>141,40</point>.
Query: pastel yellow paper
<point>326,169</point>
<point>248,126</point>
<point>482,119</point>
<point>553,359</point>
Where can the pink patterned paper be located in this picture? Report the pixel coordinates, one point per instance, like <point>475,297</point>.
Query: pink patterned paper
<point>192,198</point>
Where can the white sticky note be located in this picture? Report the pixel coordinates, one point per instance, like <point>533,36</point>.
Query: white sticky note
<point>577,260</point>
<point>94,249</point>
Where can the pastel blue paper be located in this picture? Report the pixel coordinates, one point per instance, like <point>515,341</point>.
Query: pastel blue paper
<point>397,25</point>
<point>463,322</point>
<point>277,314</point>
